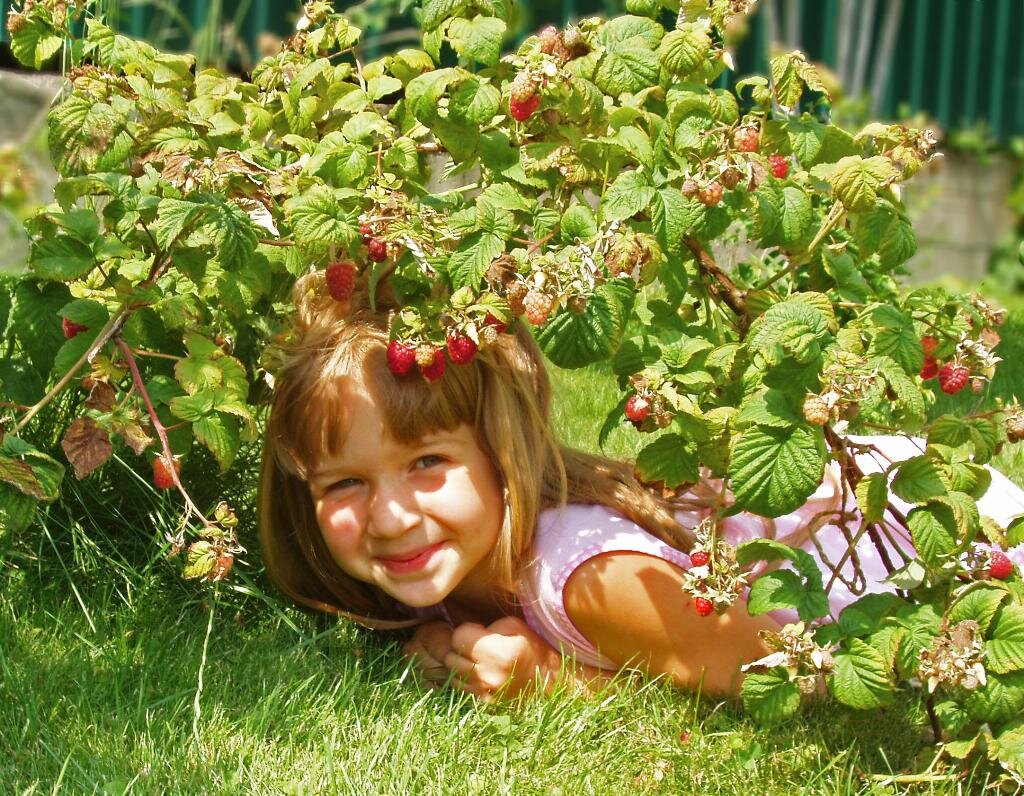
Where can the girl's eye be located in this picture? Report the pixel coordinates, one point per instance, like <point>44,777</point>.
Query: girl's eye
<point>344,483</point>
<point>430,460</point>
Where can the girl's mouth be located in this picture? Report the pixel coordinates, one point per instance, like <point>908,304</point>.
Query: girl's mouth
<point>413,563</point>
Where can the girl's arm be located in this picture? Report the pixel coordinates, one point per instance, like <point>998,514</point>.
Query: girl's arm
<point>499,661</point>
<point>632,607</point>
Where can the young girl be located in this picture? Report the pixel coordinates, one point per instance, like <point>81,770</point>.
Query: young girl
<point>450,507</point>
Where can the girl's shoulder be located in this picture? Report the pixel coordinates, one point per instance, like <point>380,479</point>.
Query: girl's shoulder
<point>569,535</point>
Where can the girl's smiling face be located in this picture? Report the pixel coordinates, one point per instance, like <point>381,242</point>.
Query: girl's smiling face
<point>416,520</point>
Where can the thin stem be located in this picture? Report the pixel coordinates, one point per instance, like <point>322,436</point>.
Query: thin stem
<point>110,328</point>
<point>196,706</point>
<point>140,353</point>
<point>161,432</point>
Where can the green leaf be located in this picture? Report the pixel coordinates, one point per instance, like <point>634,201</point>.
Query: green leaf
<point>437,11</point>
<point>572,341</point>
<point>219,433</point>
<point>856,180</point>
<point>474,101</point>
<point>232,231</point>
<point>683,50</point>
<point>860,678</point>
<point>578,223</point>
<point>784,588</point>
<point>670,459</point>
<point>774,470</point>
<point>423,94</point>
<point>17,510</point>
<point>796,213</point>
<point>918,479</point>
<point>36,321</point>
<point>770,696</point>
<point>979,602</point>
<point>669,219</point>
<point>1000,699</point>
<point>933,529</point>
<point>319,219</point>
<point>626,70</point>
<point>866,615</point>
<point>792,328</point>
<point>872,496</point>
<point>895,337</point>
<point>1005,645</point>
<point>477,39</point>
<point>61,259</point>
<point>628,195</point>
<point>806,138</point>
<point>35,43</point>
<point>770,408</point>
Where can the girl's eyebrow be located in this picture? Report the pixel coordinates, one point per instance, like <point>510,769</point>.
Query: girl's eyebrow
<point>433,439</point>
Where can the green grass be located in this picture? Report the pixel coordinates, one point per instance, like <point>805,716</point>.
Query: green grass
<point>102,648</point>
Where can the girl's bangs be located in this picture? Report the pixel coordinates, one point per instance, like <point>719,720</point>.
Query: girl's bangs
<point>312,412</point>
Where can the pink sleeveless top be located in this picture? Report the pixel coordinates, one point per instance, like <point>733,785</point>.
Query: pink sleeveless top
<point>568,537</point>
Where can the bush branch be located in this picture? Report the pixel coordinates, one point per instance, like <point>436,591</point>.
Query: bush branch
<point>722,288</point>
<point>161,432</point>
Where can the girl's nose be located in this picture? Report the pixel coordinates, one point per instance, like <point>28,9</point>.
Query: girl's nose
<point>393,512</point>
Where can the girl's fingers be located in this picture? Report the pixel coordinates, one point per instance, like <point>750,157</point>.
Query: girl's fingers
<point>460,665</point>
<point>465,637</point>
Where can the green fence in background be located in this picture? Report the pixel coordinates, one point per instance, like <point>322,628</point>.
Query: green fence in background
<point>959,61</point>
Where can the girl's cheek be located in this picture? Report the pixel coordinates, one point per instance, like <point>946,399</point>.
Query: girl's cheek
<point>340,524</point>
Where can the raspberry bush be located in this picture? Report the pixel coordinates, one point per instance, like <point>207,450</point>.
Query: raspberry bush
<point>608,171</point>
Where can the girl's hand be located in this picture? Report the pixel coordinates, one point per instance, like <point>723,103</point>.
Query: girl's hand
<point>428,648</point>
<point>500,661</point>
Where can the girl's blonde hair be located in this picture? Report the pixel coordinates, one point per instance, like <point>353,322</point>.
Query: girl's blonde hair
<point>503,394</point>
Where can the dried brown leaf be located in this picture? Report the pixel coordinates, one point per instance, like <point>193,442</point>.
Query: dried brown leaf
<point>86,445</point>
<point>101,397</point>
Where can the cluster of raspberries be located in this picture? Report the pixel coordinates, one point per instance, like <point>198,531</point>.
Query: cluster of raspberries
<point>953,376</point>
<point>341,276</point>
<point>431,360</point>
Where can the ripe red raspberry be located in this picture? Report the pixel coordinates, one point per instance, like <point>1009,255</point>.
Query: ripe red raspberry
<point>816,410</point>
<point>746,139</point>
<point>929,344</point>
<point>699,558</point>
<point>538,307</point>
<point>521,111</point>
<point>500,326</point>
<point>703,606</point>
<point>690,187</point>
<point>461,348</point>
<point>162,477</point>
<point>712,194</point>
<point>401,357</point>
<point>377,250</point>
<point>637,408</point>
<point>1015,428</point>
<point>1000,567</point>
<point>365,232</point>
<point>779,165</point>
<point>435,369</point>
<point>953,378</point>
<point>930,368</point>
<point>341,280</point>
<point>71,329</point>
